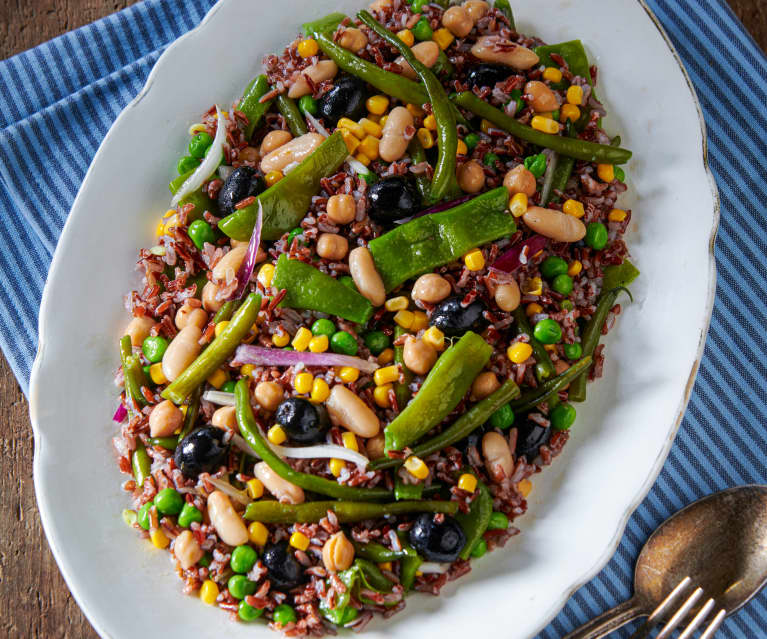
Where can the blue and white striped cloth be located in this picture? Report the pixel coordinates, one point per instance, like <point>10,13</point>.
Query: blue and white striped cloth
<point>59,100</point>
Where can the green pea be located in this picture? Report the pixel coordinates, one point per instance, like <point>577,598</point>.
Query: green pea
<point>148,373</point>
<point>347,281</point>
<point>498,521</point>
<point>169,501</point>
<point>547,331</point>
<point>480,548</point>
<point>596,235</point>
<point>323,326</point>
<point>243,558</point>
<point>471,141</point>
<point>562,416</point>
<point>188,515</point>
<point>308,104</point>
<point>567,305</point>
<point>555,115</point>
<point>240,586</point>
<point>422,30</point>
<point>199,144</point>
<point>154,348</point>
<point>295,233</point>
<point>490,159</point>
<point>228,386</point>
<point>348,614</point>
<point>370,177</point>
<point>342,342</point>
<point>620,174</point>
<point>377,341</point>
<point>129,517</point>
<point>246,612</point>
<point>536,164</point>
<point>205,560</point>
<point>288,348</point>
<point>563,284</point>
<point>186,164</point>
<point>418,5</point>
<point>142,516</point>
<point>503,417</point>
<point>573,351</point>
<point>553,266</point>
<point>200,232</point>
<point>284,614</point>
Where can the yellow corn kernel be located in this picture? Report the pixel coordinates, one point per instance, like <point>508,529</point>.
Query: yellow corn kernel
<point>617,215</point>
<point>419,573</point>
<point>336,466</point>
<point>255,488</point>
<point>258,533</point>
<point>569,112</point>
<point>396,303</point>
<point>575,95</point>
<point>350,440</point>
<point>406,35</point>
<point>386,356</point>
<point>169,213</point>
<point>435,337</point>
<point>575,268</point>
<point>386,375</point>
<point>573,207</point>
<point>351,141</point>
<point>550,347</point>
<point>369,146</point>
<point>220,327</point>
<point>307,48</point>
<point>545,125</point>
<point>430,122</point>
<point>265,275</point>
<point>606,172</point>
<point>461,149</point>
<point>273,177</point>
<point>374,118</point>
<point>170,224</point>
<point>371,127</point>
<point>299,540</point>
<point>518,204</point>
<point>184,408</point>
<point>533,309</point>
<point>362,158</point>
<point>351,125</point>
<point>349,374</point>
<point>474,260</point>
<point>155,372</point>
<point>415,466</point>
<point>404,319</point>
<point>467,482</point>
<point>159,539</point>
<point>196,128</point>
<point>377,104</point>
<point>415,110</point>
<point>280,339</point>
<point>420,321</point>
<point>385,565</point>
<point>552,74</point>
<point>319,344</point>
<point>320,390</point>
<point>524,487</point>
<point>443,38</point>
<point>209,592</point>
<point>301,339</point>
<point>218,379</point>
<point>303,383</point>
<point>533,286</point>
<point>486,125</point>
<point>160,230</point>
<point>383,119</point>
<point>246,370</point>
<point>519,352</point>
<point>381,395</point>
<point>276,435</point>
<point>425,138</point>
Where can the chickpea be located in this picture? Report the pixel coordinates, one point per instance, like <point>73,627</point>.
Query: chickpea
<point>497,454</point>
<point>189,314</point>
<point>366,277</point>
<point>285,491</point>
<point>477,9</point>
<point>418,356</point>
<point>341,208</point>
<point>337,553</point>
<point>225,520</point>
<point>555,225</point>
<point>520,180</point>
<point>542,99</point>
<point>375,446</point>
<point>274,140</point>
<point>457,21</point>
<point>331,246</point>
<point>379,5</point>
<point>431,288</point>
<point>353,40</point>
<point>248,154</point>
<point>425,52</point>
<point>181,352</point>
<point>187,550</point>
<point>225,418</point>
<point>209,301</point>
<point>293,151</point>
<point>348,410</point>
<point>485,384</point>
<point>138,329</point>
<point>471,177</point>
<point>269,395</point>
<point>318,72</point>
<point>497,49</point>
<point>507,296</point>
<point>229,264</point>
<point>394,140</point>
<point>164,419</point>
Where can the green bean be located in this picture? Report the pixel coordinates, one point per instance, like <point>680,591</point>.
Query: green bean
<point>224,314</point>
<point>192,411</point>
<point>273,512</point>
<point>168,443</point>
<point>505,8</point>
<point>378,552</point>
<point>374,576</point>
<point>474,523</point>
<point>132,372</point>
<point>550,387</point>
<point>422,182</point>
<point>251,105</point>
<point>141,464</point>
<point>407,492</point>
<point>544,367</point>
<point>401,390</point>
<point>408,566</point>
<point>326,24</point>
<point>289,110</point>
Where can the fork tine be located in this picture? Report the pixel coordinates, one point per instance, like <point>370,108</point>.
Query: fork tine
<point>644,630</point>
<point>697,620</point>
<point>714,625</point>
<point>680,614</point>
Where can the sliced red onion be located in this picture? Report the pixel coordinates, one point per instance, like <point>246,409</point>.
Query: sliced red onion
<point>262,356</point>
<point>120,414</point>
<point>219,397</point>
<point>209,164</point>
<point>319,451</point>
<point>225,487</point>
<point>438,208</point>
<point>358,167</point>
<point>516,256</point>
<point>433,568</point>
<point>316,124</point>
<point>245,272</point>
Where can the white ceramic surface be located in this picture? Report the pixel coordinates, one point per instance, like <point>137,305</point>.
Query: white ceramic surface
<point>578,507</point>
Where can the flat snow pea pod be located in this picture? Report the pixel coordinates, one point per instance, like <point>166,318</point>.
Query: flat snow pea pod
<point>575,148</point>
<point>445,385</point>
<point>273,512</point>
<point>544,367</point>
<point>474,523</point>
<point>461,427</point>
<point>250,430</point>
<point>374,575</point>
<point>202,201</point>
<point>140,463</point>
<point>290,111</point>
<point>326,24</point>
<point>409,566</point>
<point>619,275</point>
<point>132,371</point>
<point>309,288</point>
<point>217,352</point>
<point>550,387</point>
<point>433,240</point>
<point>401,390</point>
<point>251,105</point>
<point>505,8</point>
<point>286,202</point>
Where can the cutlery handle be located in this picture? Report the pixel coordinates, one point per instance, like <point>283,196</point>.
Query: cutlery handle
<point>608,621</point>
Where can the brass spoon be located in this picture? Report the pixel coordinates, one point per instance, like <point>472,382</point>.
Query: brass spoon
<point>719,542</point>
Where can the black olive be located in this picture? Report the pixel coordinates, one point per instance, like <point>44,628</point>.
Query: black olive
<point>345,100</point>
<point>437,541</point>
<point>303,421</point>
<point>393,198</point>
<point>473,439</point>
<point>241,183</point>
<point>201,451</point>
<point>530,437</point>
<point>453,319</point>
<point>487,75</point>
<point>284,570</point>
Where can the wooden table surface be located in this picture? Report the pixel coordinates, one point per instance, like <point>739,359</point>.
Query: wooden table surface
<point>34,600</point>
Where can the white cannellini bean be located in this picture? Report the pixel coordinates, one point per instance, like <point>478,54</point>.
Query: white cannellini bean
<point>502,51</point>
<point>187,550</point>
<point>425,52</point>
<point>138,329</point>
<point>348,410</point>
<point>497,454</point>
<point>366,277</point>
<point>225,520</point>
<point>318,72</point>
<point>209,301</point>
<point>225,417</point>
<point>507,296</point>
<point>555,225</point>
<point>393,139</point>
<point>191,315</point>
<point>294,151</point>
<point>181,352</point>
<point>232,260</point>
<point>285,491</point>
<point>165,418</point>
